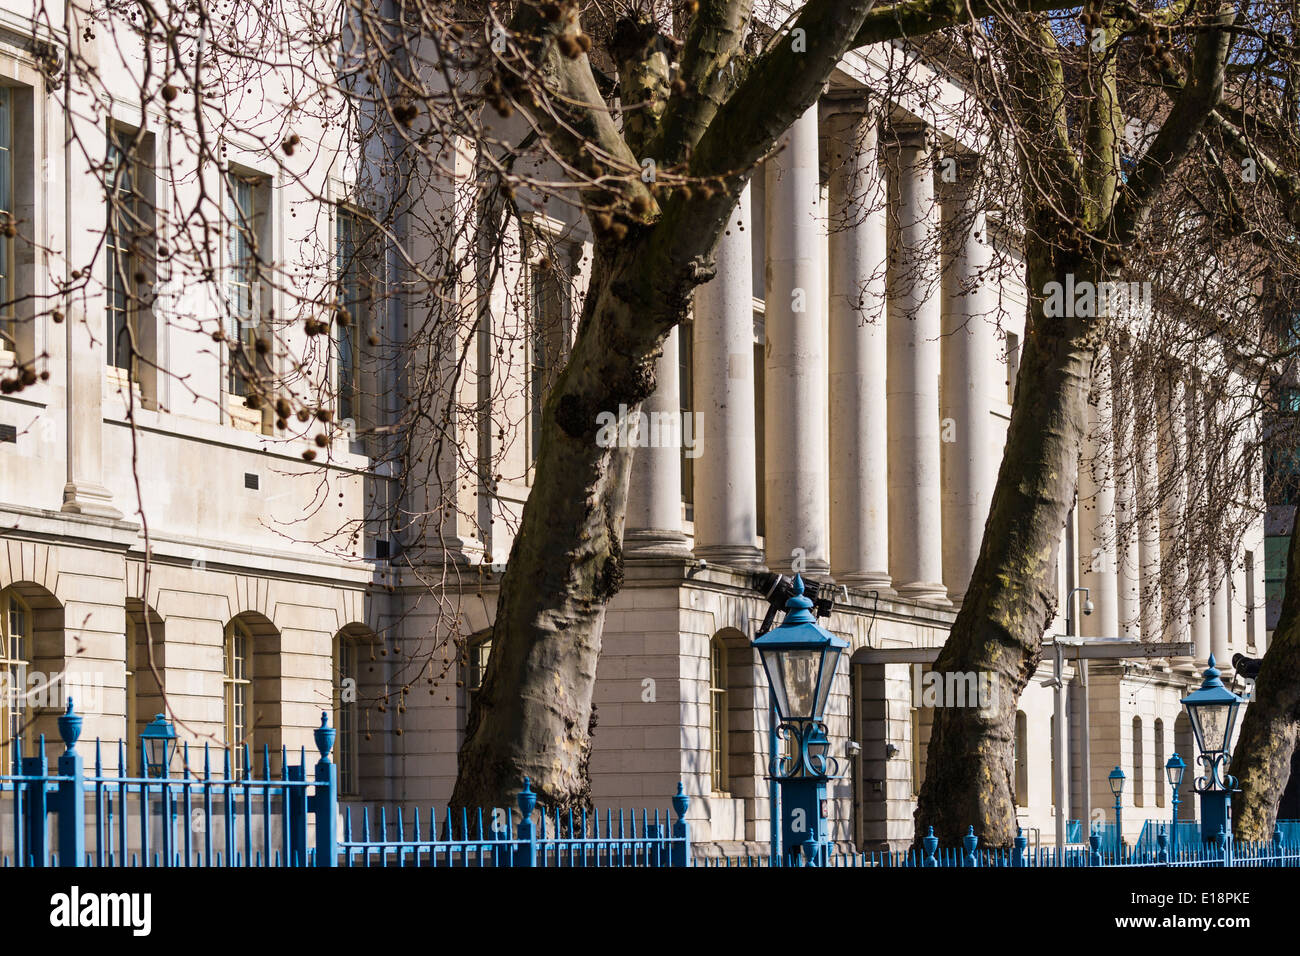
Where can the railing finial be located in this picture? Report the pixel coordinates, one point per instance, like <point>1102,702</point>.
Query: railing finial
<point>70,727</point>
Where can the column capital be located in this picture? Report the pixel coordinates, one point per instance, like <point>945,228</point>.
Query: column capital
<point>855,102</point>
<point>909,134</point>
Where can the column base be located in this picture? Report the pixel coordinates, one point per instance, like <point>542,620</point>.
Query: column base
<point>732,555</point>
<point>83,498</point>
<point>867,581</point>
<point>654,543</point>
<point>926,591</point>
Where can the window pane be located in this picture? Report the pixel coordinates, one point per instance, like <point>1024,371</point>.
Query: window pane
<point>351,299</point>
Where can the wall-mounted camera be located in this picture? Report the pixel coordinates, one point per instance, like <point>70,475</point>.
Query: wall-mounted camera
<point>778,589</point>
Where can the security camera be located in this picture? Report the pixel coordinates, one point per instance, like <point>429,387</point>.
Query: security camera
<point>1087,607</point>
<point>852,748</point>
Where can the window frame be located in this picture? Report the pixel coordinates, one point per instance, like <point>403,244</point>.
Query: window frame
<point>233,687</point>
<point>248,233</point>
<point>348,396</point>
<point>123,198</point>
<point>14,723</point>
<point>346,665</point>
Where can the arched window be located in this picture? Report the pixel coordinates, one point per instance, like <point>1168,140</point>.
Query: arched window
<point>15,635</point>
<point>1022,759</point>
<point>1139,763</point>
<point>237,679</point>
<point>345,712</point>
<point>1162,782</point>
<point>719,744</point>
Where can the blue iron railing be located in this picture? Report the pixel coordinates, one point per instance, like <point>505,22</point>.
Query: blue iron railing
<point>536,839</point>
<point>199,819</point>
<point>1223,852</point>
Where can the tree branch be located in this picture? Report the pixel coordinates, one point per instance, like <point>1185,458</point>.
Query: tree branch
<point>1190,113</point>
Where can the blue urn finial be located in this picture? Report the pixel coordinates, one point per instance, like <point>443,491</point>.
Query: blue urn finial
<point>70,727</point>
<point>681,802</point>
<point>324,735</point>
<point>527,800</point>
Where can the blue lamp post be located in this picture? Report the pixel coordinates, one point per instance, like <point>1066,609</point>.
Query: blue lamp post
<point>157,740</point>
<point>1213,712</point>
<point>1116,778</point>
<point>800,658</point>
<point>1174,769</point>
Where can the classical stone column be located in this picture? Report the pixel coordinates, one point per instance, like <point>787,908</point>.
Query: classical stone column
<point>1221,612</point>
<point>654,496</point>
<point>1128,581</point>
<point>1151,616</point>
<point>914,326</point>
<point>858,442</point>
<point>972,378</point>
<point>795,382</point>
<point>1096,510</point>
<point>1199,565</point>
<point>1173,506</point>
<point>726,493</point>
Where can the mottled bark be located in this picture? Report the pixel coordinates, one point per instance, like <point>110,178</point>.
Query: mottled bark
<point>1012,592</point>
<point>531,715</point>
<point>1262,758</point>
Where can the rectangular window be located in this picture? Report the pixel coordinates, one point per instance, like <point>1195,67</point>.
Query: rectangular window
<point>246,237</point>
<point>547,342</point>
<point>1250,600</point>
<point>1013,365</point>
<point>7,222</point>
<point>124,276</point>
<point>353,303</point>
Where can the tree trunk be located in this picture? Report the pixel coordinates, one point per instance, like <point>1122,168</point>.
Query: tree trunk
<point>1012,592</point>
<point>531,717</point>
<point>1261,760</point>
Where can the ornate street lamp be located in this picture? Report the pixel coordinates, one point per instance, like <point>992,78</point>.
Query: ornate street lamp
<point>1116,778</point>
<point>157,739</point>
<point>800,658</point>
<point>1174,769</point>
<point>1213,712</point>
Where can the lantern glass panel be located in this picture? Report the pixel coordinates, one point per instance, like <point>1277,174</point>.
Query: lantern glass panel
<point>1174,773</point>
<point>798,681</point>
<point>830,660</point>
<point>1212,723</point>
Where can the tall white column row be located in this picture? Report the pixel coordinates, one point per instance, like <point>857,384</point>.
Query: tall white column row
<point>860,320</point>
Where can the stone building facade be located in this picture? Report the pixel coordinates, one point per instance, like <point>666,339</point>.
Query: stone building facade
<point>849,393</point>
